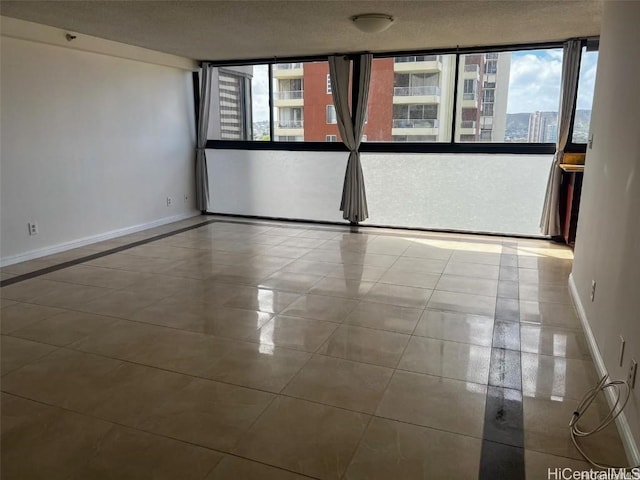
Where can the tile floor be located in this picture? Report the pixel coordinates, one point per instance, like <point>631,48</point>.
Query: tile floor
<point>263,350</point>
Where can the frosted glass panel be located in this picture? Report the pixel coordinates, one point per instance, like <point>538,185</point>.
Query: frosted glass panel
<point>488,193</point>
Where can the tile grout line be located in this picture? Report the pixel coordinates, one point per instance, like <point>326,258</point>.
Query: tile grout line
<point>311,354</point>
<point>155,434</point>
<point>502,450</point>
<point>94,256</point>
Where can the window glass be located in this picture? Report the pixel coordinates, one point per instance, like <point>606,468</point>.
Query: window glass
<point>509,96</point>
<point>586,84</point>
<point>301,93</point>
<point>331,114</point>
<point>411,99</point>
<point>239,103</point>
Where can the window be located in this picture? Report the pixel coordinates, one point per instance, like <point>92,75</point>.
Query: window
<point>516,98</point>
<point>491,67</point>
<point>239,107</point>
<point>502,97</point>
<point>470,86</point>
<point>420,99</point>
<point>299,100</point>
<point>586,84</point>
<point>331,114</point>
<point>290,117</point>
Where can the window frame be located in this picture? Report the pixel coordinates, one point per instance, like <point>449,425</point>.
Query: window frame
<point>334,116</point>
<point>592,45</point>
<point>399,147</point>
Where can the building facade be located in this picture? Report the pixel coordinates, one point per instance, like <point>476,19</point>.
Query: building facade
<point>410,100</point>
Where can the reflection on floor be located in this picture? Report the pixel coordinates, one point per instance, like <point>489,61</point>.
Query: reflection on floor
<point>282,350</point>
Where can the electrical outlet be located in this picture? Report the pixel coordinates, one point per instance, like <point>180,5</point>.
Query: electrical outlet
<point>186,197</point>
<point>593,290</point>
<point>169,201</point>
<point>621,357</point>
<point>33,228</point>
<point>631,376</point>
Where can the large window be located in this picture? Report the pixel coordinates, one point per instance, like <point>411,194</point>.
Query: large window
<point>506,97</point>
<point>509,97</point>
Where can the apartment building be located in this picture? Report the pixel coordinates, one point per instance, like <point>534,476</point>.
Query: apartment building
<point>230,115</point>
<point>485,88</point>
<point>410,100</point>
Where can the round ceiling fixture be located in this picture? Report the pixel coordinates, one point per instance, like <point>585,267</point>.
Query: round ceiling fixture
<point>372,22</point>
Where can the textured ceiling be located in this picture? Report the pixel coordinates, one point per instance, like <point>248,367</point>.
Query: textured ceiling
<point>227,30</point>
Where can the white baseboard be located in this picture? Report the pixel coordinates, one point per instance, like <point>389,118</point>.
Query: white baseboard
<point>82,242</point>
<point>630,446</point>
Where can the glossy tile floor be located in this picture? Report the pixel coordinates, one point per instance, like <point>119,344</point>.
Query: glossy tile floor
<point>258,350</point>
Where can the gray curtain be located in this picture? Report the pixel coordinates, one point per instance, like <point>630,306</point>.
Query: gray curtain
<point>202,176</point>
<point>351,125</point>
<point>550,221</point>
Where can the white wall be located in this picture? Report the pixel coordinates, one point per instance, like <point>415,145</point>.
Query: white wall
<point>608,239</point>
<point>92,144</point>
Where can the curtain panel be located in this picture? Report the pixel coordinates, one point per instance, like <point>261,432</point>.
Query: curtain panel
<point>202,175</point>
<point>351,126</point>
<point>550,220</point>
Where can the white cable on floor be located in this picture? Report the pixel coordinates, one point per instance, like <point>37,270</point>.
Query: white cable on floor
<point>584,405</point>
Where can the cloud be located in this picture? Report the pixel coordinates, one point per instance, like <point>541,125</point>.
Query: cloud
<point>534,83</point>
<point>260,92</point>
<point>587,80</point>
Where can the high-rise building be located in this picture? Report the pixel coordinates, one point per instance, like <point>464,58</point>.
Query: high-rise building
<point>230,117</point>
<point>288,101</point>
<point>484,83</point>
<point>543,127</point>
<point>410,99</point>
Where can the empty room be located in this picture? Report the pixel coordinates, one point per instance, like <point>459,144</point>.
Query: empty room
<point>319,239</point>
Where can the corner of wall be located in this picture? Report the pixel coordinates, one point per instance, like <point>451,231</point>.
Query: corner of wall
<point>624,429</point>
<point>35,32</point>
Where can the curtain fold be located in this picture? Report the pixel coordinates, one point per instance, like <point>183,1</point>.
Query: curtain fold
<point>202,175</point>
<point>550,220</point>
<point>351,125</point>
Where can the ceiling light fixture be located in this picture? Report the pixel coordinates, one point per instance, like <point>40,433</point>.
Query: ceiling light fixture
<point>372,22</point>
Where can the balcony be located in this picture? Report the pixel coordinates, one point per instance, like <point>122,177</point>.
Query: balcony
<point>468,127</point>
<point>418,63</point>
<point>471,72</point>
<point>288,70</point>
<point>290,123</point>
<point>289,128</point>
<point>289,94</point>
<point>288,66</point>
<point>415,126</point>
<point>416,94</point>
<point>470,100</point>
<point>289,98</point>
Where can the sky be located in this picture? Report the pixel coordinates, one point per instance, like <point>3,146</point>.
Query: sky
<point>534,83</point>
<point>260,92</point>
